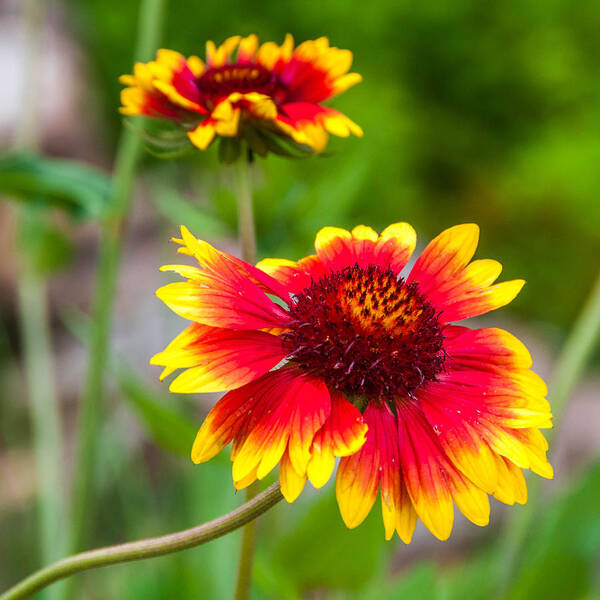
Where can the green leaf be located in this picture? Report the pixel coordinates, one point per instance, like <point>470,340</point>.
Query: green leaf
<point>82,191</point>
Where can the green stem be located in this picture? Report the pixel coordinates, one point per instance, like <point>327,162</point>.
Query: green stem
<point>151,17</point>
<point>45,411</point>
<point>247,236</point>
<point>569,367</point>
<point>244,573</point>
<point>35,322</point>
<point>575,354</point>
<point>147,548</point>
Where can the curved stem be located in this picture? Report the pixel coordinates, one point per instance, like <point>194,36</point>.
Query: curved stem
<point>247,237</point>
<point>148,548</point>
<point>151,17</point>
<point>569,367</point>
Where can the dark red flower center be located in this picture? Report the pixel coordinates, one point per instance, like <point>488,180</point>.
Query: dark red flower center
<point>367,333</point>
<point>219,82</point>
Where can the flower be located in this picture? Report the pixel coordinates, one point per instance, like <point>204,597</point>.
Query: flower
<point>317,351</point>
<point>246,91</point>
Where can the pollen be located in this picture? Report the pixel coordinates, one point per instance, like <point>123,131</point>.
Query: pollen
<point>367,333</point>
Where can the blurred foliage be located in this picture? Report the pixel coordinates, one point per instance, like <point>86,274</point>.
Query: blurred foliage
<point>173,206</point>
<point>310,563</point>
<point>170,429</point>
<point>83,192</point>
<point>46,186</point>
<point>561,561</point>
<point>47,247</point>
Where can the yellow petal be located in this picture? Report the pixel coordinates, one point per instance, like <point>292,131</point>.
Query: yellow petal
<point>363,232</point>
<point>327,234</point>
<point>202,136</point>
<point>403,233</point>
<point>291,482</point>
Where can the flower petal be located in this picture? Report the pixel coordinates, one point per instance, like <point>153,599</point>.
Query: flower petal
<point>292,483</point>
<point>226,293</point>
<point>342,434</point>
<point>247,48</point>
<point>425,470</point>
<point>376,465</point>
<point>485,348</point>
<point>315,71</point>
<point>226,419</point>
<point>203,134</point>
<point>511,483</point>
<point>357,483</point>
<point>445,256</point>
<point>338,248</point>
<point>163,88</point>
<point>309,123</point>
<point>455,287</point>
<point>396,507</point>
<point>485,408</point>
<point>215,260</point>
<point>291,408</point>
<point>218,57</point>
<point>219,359</point>
<point>295,276</point>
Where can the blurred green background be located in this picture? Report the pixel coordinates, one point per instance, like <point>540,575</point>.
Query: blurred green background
<point>472,111</point>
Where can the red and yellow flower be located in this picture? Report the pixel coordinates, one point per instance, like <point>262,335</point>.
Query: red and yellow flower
<point>247,91</point>
<point>338,355</point>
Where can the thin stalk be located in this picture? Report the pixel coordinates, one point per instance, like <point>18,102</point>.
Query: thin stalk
<point>148,548</point>
<point>45,411</point>
<point>128,152</point>
<point>575,353</point>
<point>34,321</point>
<point>569,367</point>
<point>243,190</point>
<point>244,573</point>
<point>247,236</point>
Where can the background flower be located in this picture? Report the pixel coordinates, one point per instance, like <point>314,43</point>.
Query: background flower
<point>247,91</point>
<point>451,414</point>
